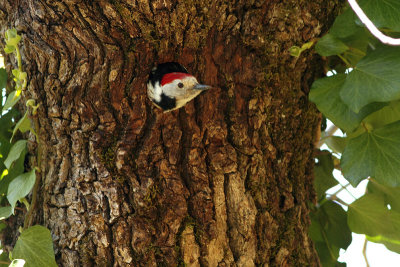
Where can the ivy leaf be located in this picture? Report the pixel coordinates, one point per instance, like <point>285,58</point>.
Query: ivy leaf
<point>345,24</point>
<point>389,194</point>
<point>35,246</point>
<point>325,94</point>
<point>12,37</point>
<point>327,255</point>
<point>391,244</point>
<point>15,152</point>
<point>386,115</point>
<point>323,174</point>
<point>16,170</point>
<point>3,78</point>
<point>329,45</point>
<point>382,13</point>
<point>336,143</point>
<point>4,258</point>
<point>369,215</point>
<point>5,212</point>
<point>376,78</point>
<point>330,232</point>
<point>20,78</point>
<point>24,124</point>
<point>6,122</point>
<point>376,154</point>
<point>20,187</point>
<point>12,99</point>
<point>358,44</point>
<point>9,49</point>
<point>336,228</point>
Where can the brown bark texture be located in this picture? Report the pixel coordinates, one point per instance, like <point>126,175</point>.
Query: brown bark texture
<point>224,181</point>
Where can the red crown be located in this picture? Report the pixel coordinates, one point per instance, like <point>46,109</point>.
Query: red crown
<point>169,77</point>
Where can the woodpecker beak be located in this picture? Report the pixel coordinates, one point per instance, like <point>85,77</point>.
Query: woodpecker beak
<point>201,87</point>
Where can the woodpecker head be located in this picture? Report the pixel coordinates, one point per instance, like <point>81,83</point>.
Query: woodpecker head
<point>170,86</point>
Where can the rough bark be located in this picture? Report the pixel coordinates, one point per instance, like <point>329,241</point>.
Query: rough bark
<point>224,181</point>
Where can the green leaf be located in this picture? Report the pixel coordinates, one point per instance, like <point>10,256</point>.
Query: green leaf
<point>329,232</point>
<point>3,78</point>
<point>391,244</point>
<point>15,73</point>
<point>315,229</point>
<point>358,43</point>
<point>5,212</point>
<point>12,37</point>
<point>325,94</point>
<point>327,255</point>
<point>336,228</point>
<point>382,13</point>
<point>365,215</point>
<point>295,51</point>
<point>9,49</point>
<point>7,120</point>
<point>15,152</point>
<point>20,187</point>
<point>17,263</point>
<point>345,24</point>
<point>336,143</point>
<point>376,154</point>
<point>17,169</point>
<point>389,194</point>
<point>307,45</point>
<point>376,78</point>
<point>24,124</point>
<point>369,215</point>
<point>11,33</point>
<point>35,246</point>
<point>329,45</point>
<point>19,75</point>
<point>14,41</point>
<point>323,174</point>
<point>384,116</point>
<point>12,99</point>
<point>4,258</point>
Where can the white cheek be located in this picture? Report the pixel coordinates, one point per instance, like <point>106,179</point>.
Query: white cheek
<point>172,89</point>
<point>154,92</point>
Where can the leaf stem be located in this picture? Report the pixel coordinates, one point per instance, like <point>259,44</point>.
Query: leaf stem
<point>345,61</point>
<point>19,59</point>
<point>364,252</point>
<point>335,198</point>
<point>330,132</point>
<point>29,216</point>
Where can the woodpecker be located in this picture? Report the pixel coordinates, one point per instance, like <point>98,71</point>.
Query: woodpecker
<point>170,86</point>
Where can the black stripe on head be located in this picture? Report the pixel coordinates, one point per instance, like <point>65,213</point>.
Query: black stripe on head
<point>166,102</point>
<point>164,68</point>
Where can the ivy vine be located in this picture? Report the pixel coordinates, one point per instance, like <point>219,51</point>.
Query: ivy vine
<point>34,246</point>
<point>361,96</point>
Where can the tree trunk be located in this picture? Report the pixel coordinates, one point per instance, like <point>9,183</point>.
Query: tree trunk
<point>224,181</point>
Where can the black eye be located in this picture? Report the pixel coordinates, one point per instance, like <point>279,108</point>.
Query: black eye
<point>180,85</point>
